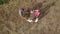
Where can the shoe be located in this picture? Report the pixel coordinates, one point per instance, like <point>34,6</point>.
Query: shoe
<point>36,20</point>
<point>29,20</point>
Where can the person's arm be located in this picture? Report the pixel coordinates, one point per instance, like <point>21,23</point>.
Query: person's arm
<point>31,11</point>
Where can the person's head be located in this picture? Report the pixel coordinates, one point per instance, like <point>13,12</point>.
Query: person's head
<point>36,10</point>
<point>22,9</point>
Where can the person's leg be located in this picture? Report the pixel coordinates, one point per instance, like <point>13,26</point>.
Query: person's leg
<point>36,19</point>
<point>29,20</point>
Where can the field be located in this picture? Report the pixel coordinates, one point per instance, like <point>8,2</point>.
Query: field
<point>11,23</point>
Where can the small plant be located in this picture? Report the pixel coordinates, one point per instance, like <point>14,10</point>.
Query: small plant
<point>3,1</point>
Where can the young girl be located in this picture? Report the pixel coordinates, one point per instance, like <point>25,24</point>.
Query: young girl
<point>36,14</point>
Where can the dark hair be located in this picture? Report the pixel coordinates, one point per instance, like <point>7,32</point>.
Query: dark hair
<point>22,9</point>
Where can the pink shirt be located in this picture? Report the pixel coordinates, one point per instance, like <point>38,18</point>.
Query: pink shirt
<point>36,13</point>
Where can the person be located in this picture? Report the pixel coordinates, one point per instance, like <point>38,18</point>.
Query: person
<point>28,11</point>
<point>30,18</point>
<point>36,15</point>
<point>21,11</point>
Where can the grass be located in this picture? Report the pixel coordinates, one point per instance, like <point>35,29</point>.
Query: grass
<point>50,24</point>
<point>3,1</point>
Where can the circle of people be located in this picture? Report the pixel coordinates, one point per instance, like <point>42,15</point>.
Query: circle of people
<point>35,13</point>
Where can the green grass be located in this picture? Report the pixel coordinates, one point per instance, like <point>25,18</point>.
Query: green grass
<point>3,1</point>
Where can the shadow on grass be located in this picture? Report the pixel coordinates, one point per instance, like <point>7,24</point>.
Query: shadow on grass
<point>45,11</point>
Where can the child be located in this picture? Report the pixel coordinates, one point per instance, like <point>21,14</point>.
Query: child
<point>30,18</point>
<point>36,15</point>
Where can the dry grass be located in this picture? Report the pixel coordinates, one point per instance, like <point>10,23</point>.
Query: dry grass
<point>11,23</point>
